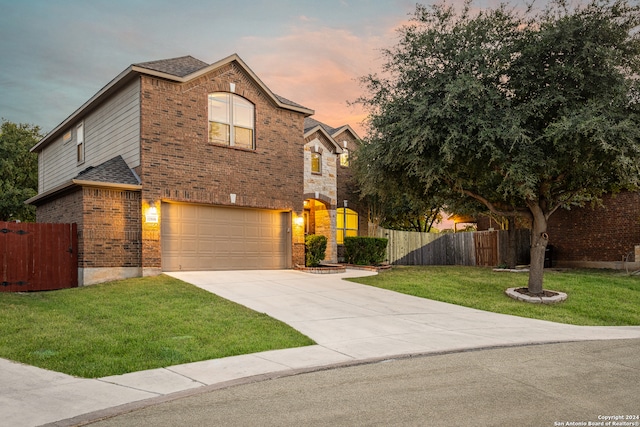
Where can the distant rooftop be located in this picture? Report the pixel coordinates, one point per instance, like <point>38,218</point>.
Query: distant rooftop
<point>310,123</point>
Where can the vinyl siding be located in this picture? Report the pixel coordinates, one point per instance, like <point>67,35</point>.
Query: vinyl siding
<point>111,129</point>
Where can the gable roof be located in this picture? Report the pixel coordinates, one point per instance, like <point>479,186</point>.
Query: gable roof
<point>344,128</point>
<point>312,126</point>
<point>179,70</point>
<point>185,68</point>
<point>310,123</point>
<point>180,67</point>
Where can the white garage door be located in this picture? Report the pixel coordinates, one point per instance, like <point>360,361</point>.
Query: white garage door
<point>196,237</point>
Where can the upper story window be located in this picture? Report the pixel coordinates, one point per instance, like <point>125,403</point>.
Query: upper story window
<point>344,157</point>
<point>231,120</point>
<point>80,143</point>
<point>68,135</point>
<point>316,163</point>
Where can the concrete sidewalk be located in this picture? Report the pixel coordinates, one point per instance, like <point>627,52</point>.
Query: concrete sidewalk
<point>348,321</point>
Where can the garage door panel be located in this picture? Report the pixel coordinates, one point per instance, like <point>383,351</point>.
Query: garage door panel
<point>236,230</point>
<point>198,237</point>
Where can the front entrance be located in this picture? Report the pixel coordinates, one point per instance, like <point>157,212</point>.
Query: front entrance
<point>320,219</point>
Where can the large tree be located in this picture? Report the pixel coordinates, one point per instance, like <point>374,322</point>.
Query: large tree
<point>18,170</point>
<point>526,112</point>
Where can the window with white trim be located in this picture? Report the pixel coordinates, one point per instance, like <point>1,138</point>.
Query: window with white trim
<point>80,143</point>
<point>316,163</point>
<point>344,157</point>
<point>231,120</point>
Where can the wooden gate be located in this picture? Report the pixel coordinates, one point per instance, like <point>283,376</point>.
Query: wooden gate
<point>486,243</point>
<point>38,257</point>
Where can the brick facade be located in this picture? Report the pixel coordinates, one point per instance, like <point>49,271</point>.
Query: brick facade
<point>600,237</point>
<point>108,229</point>
<point>178,163</point>
<point>111,228</point>
<point>64,209</point>
<point>597,237</point>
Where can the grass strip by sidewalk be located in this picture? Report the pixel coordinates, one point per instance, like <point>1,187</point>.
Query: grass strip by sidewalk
<point>132,325</point>
<point>595,297</point>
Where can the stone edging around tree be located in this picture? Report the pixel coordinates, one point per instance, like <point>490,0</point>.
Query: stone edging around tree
<point>549,297</point>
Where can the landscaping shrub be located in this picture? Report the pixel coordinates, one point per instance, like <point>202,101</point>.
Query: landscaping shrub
<point>316,246</point>
<point>365,250</point>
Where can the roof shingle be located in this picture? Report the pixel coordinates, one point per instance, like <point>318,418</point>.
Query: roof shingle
<point>180,67</point>
<point>114,171</point>
<point>310,123</point>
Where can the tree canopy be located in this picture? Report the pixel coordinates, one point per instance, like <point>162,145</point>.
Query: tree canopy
<point>526,112</point>
<point>18,170</point>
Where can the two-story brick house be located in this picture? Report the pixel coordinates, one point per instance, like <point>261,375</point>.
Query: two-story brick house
<point>180,165</point>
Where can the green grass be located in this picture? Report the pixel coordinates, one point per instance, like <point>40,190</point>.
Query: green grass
<point>595,297</point>
<point>132,325</point>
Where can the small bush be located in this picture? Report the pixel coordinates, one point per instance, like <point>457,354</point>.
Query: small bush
<point>365,250</point>
<point>316,246</point>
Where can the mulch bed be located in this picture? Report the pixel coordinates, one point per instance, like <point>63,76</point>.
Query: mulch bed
<point>545,293</point>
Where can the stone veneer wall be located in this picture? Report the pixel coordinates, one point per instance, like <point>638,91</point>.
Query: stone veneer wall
<point>322,187</point>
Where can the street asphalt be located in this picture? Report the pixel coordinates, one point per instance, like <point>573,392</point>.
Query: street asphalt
<point>539,385</point>
<point>358,330</point>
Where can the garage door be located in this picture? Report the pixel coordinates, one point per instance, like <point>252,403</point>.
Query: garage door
<point>196,237</point>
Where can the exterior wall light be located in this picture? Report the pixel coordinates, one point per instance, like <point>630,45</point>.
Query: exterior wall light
<point>151,217</point>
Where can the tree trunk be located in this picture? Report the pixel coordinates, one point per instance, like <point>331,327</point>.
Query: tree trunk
<point>539,240</point>
<point>512,256</point>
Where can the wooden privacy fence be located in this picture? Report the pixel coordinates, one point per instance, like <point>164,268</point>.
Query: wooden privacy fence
<point>483,248</point>
<point>38,257</point>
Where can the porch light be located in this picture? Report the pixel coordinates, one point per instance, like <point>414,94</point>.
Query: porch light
<point>299,220</point>
<point>151,217</point>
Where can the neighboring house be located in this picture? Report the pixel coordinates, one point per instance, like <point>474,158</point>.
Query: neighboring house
<point>604,237</point>
<point>331,206</point>
<point>178,165</point>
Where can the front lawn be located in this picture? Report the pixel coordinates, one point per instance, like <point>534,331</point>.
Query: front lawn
<point>596,297</point>
<point>132,325</point>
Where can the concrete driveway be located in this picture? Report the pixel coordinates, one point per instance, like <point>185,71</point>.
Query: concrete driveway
<point>362,322</point>
<point>351,323</point>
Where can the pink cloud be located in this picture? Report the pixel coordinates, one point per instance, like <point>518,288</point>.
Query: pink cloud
<point>319,68</point>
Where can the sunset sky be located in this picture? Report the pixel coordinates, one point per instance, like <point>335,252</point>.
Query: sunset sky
<point>56,54</point>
